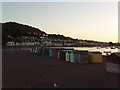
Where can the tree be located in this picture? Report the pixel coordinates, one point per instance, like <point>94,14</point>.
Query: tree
<point>111,43</point>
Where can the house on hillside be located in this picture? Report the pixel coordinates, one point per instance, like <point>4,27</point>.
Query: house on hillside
<point>10,43</point>
<point>57,43</point>
<point>69,43</point>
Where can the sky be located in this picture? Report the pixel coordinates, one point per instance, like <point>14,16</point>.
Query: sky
<point>83,20</point>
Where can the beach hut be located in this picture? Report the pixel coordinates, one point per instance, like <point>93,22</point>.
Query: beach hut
<point>95,57</point>
<point>31,50</point>
<point>67,58</point>
<point>113,63</point>
<point>67,55</point>
<point>83,56</point>
<point>42,51</point>
<point>72,59</point>
<point>46,51</point>
<point>76,56</point>
<point>37,50</point>
<point>51,52</point>
<point>57,52</point>
<point>62,55</point>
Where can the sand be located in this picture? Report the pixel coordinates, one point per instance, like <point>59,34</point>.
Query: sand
<point>22,69</point>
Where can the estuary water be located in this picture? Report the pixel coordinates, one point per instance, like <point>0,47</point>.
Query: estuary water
<point>102,50</point>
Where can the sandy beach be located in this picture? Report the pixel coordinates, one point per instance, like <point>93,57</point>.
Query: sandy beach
<point>22,69</point>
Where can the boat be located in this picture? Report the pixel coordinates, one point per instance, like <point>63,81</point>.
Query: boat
<point>107,52</point>
<point>112,47</point>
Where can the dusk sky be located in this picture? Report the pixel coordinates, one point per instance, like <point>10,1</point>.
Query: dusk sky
<point>83,20</point>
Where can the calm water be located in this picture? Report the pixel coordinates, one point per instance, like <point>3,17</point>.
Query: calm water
<point>102,50</point>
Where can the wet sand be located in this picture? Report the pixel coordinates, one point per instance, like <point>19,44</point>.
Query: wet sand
<point>22,69</point>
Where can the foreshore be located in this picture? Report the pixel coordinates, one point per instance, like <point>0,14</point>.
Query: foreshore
<point>22,69</point>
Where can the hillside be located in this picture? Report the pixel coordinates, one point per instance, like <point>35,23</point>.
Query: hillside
<point>14,30</point>
<point>55,36</point>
